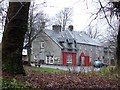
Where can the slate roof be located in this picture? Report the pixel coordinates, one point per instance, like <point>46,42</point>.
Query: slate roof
<point>79,37</point>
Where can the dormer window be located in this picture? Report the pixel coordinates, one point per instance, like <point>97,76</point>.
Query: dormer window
<point>70,47</point>
<point>69,41</point>
<point>75,43</point>
<point>61,40</point>
<point>61,44</point>
<point>70,44</point>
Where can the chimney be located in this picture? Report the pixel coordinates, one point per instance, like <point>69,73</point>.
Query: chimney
<point>43,26</point>
<point>70,27</point>
<point>56,28</point>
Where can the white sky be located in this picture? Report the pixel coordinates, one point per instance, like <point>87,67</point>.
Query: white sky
<point>81,10</point>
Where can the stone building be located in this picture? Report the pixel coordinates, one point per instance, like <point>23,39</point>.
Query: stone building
<point>65,47</point>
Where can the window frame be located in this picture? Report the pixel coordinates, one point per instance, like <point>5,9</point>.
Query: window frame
<point>42,45</point>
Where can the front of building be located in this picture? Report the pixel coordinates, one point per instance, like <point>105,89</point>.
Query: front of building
<point>65,47</point>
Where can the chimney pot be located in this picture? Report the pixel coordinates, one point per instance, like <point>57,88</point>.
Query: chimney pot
<point>57,28</point>
<point>42,25</point>
<point>70,27</point>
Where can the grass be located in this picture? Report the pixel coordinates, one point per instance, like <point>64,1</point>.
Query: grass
<point>104,72</point>
<point>43,69</point>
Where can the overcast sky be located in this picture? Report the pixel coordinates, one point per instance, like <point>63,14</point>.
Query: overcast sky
<point>82,10</point>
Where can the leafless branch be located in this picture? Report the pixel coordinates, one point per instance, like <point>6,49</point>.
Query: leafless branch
<point>105,15</point>
<point>96,15</point>
<point>64,17</point>
<point>1,1</point>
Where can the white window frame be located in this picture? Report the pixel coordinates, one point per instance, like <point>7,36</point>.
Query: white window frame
<point>69,58</point>
<point>51,59</point>
<point>82,60</point>
<point>48,59</point>
<point>42,45</point>
<point>35,57</point>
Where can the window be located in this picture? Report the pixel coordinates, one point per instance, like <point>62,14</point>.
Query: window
<point>35,57</point>
<point>69,58</point>
<point>75,43</point>
<point>70,45</point>
<point>70,41</point>
<point>70,48</point>
<point>61,44</point>
<point>24,52</point>
<point>80,47</point>
<point>49,59</point>
<point>42,45</point>
<point>91,49</point>
<point>82,60</point>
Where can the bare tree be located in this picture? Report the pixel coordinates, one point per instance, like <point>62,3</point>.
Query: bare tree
<point>1,1</point>
<point>0,9</point>
<point>93,32</point>
<point>0,13</point>
<point>109,10</point>
<point>112,35</point>
<point>63,18</point>
<point>3,14</point>
<point>36,25</point>
<point>110,41</point>
<point>116,6</point>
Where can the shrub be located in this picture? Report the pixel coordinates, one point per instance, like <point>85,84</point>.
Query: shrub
<point>14,84</point>
<point>104,72</point>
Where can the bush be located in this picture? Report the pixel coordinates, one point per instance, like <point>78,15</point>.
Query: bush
<point>104,72</point>
<point>107,72</point>
<point>14,84</point>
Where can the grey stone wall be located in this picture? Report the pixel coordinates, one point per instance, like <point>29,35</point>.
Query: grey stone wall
<point>89,50</point>
<point>50,48</point>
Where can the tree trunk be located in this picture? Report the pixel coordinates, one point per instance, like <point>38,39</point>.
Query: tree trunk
<point>29,49</point>
<point>13,37</point>
<point>118,50</point>
<point>30,31</point>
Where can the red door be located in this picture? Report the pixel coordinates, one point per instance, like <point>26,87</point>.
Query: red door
<point>64,58</point>
<point>65,55</point>
<point>87,60</point>
<point>73,58</point>
<point>84,60</point>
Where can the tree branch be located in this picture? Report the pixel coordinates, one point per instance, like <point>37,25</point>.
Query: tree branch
<point>105,14</point>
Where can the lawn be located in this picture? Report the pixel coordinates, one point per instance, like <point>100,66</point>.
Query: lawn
<point>42,69</point>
